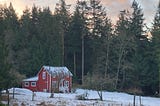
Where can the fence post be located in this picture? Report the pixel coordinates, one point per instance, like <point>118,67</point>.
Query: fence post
<point>13,92</point>
<point>33,96</point>
<point>140,102</point>
<point>8,97</point>
<point>134,99</point>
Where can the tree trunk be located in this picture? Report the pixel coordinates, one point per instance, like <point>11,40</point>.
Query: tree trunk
<point>123,79</point>
<point>100,93</point>
<point>62,48</point>
<point>107,60</point>
<point>82,59</point>
<point>118,68</point>
<point>122,50</point>
<point>159,85</point>
<point>74,64</point>
<point>0,94</point>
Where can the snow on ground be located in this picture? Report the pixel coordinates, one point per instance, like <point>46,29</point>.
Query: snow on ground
<point>24,96</point>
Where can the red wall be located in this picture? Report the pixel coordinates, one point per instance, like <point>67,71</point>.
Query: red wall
<point>43,84</point>
<point>29,87</point>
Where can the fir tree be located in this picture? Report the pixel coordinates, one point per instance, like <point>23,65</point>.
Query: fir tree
<point>5,72</point>
<point>156,40</point>
<point>62,16</point>
<point>137,32</point>
<point>122,47</point>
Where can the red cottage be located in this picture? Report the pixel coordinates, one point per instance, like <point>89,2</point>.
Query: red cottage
<point>50,79</point>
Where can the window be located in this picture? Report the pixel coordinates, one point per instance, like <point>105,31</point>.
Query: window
<point>54,75</point>
<point>54,84</point>
<point>67,83</point>
<point>44,75</point>
<point>26,84</point>
<point>33,84</point>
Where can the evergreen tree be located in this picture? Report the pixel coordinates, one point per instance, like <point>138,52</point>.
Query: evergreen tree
<point>96,16</point>
<point>5,75</point>
<point>5,67</point>
<point>74,39</point>
<point>149,74</point>
<point>62,16</point>
<point>137,32</point>
<point>122,48</point>
<point>105,39</point>
<point>24,38</point>
<point>156,40</point>
<point>98,46</point>
<point>35,47</point>
<point>11,33</point>
<point>45,32</point>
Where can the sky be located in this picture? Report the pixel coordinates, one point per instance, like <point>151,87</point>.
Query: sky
<point>113,7</point>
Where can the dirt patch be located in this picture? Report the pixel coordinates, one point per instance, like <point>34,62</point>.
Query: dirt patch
<point>51,105</point>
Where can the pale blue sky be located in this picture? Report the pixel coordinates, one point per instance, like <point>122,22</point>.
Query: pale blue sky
<point>112,6</point>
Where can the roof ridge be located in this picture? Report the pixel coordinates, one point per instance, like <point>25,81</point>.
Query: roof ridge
<point>57,70</point>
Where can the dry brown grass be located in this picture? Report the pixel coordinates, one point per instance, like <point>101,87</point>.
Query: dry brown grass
<point>81,105</point>
<point>4,97</point>
<point>15,104</point>
<point>42,104</point>
<point>51,105</point>
<point>135,91</point>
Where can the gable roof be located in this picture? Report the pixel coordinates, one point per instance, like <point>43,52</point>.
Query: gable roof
<point>54,71</point>
<point>31,79</point>
<point>57,71</point>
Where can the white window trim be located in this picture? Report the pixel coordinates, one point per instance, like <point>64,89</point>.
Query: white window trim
<point>34,84</point>
<point>43,75</point>
<point>54,76</point>
<point>55,84</point>
<point>26,84</point>
<point>67,83</point>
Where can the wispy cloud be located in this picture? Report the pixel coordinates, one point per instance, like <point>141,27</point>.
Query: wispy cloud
<point>113,7</point>
<point>149,9</point>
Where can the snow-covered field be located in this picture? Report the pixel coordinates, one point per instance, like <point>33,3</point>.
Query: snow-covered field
<point>23,97</point>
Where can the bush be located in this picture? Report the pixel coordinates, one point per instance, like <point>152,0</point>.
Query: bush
<point>2,104</point>
<point>136,91</point>
<point>82,96</point>
<point>97,81</point>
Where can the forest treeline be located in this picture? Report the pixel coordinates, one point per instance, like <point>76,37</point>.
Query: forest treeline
<point>99,54</point>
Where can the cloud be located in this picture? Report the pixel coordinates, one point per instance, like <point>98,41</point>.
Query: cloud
<point>18,5</point>
<point>113,7</point>
<point>149,8</point>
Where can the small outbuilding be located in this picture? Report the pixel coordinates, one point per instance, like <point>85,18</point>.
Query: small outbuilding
<point>50,79</point>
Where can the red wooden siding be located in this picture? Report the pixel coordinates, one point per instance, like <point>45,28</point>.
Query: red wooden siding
<point>45,80</point>
<point>30,86</point>
<point>43,84</point>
